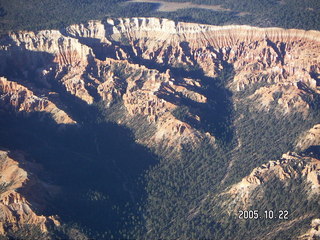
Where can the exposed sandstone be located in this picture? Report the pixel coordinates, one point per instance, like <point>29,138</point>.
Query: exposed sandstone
<point>287,96</point>
<point>53,54</point>
<point>270,55</point>
<point>290,166</point>
<point>151,94</point>
<point>310,138</point>
<point>22,99</point>
<point>128,60</point>
<point>16,211</point>
<point>105,59</point>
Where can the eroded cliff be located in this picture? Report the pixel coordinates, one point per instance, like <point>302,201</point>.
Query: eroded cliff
<point>128,59</point>
<point>21,99</point>
<point>18,185</point>
<point>290,166</point>
<point>177,85</point>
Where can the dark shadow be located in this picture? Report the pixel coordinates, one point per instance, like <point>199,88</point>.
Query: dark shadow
<point>312,151</point>
<point>280,51</point>
<point>23,66</point>
<point>312,98</point>
<point>3,12</point>
<point>101,50</point>
<point>97,164</point>
<point>216,114</point>
<point>315,76</point>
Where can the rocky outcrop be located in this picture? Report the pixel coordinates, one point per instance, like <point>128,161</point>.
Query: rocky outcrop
<point>129,60</point>
<point>151,94</point>
<point>290,166</point>
<point>16,210</point>
<point>313,232</point>
<point>286,59</point>
<point>286,96</point>
<point>49,54</point>
<point>22,99</point>
<point>150,66</point>
<point>272,50</point>
<point>310,138</point>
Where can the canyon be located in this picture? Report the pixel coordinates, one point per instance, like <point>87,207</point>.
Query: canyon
<point>85,60</point>
<point>176,86</point>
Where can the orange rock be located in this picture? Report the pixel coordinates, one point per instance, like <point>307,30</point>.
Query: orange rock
<point>23,100</point>
<point>15,210</point>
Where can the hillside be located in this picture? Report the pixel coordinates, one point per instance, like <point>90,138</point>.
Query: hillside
<point>159,121</point>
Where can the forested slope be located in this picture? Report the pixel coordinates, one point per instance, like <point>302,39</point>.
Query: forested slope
<point>167,129</point>
<point>45,14</point>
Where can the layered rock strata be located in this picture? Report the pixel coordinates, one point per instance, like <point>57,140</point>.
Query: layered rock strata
<point>135,61</point>
<point>126,59</point>
<point>17,185</point>
<point>290,166</point>
<point>24,100</point>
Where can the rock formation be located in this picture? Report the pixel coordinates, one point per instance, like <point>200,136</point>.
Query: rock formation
<point>22,99</point>
<point>150,66</point>
<point>124,59</point>
<point>290,166</point>
<point>17,185</point>
<point>314,231</point>
<point>310,138</point>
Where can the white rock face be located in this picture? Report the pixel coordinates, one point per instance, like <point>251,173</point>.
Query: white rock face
<point>86,61</point>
